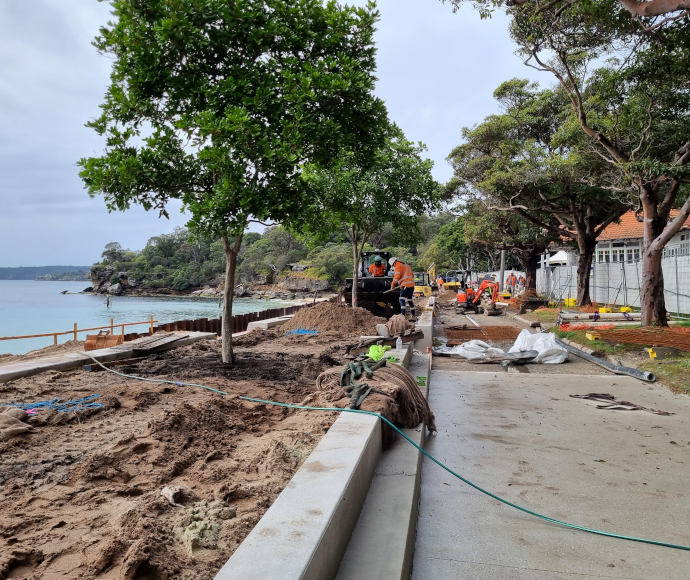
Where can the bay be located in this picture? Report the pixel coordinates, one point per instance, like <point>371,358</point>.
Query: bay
<point>39,307</point>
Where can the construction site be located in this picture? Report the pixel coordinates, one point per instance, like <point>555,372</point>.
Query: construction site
<point>343,445</point>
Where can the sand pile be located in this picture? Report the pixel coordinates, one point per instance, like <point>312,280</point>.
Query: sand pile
<point>330,317</point>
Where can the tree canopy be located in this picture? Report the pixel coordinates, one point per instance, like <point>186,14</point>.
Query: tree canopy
<point>394,189</point>
<point>221,105</point>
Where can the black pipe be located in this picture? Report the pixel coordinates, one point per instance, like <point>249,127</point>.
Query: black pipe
<point>617,369</point>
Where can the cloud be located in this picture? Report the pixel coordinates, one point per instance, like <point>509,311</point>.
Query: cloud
<point>437,72</point>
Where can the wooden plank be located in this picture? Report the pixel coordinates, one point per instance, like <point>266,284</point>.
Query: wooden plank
<point>164,343</point>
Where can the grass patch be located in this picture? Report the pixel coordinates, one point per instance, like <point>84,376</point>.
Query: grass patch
<point>600,346</point>
<point>543,315</point>
<point>672,372</point>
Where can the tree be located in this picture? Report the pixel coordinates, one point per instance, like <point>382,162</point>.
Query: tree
<point>361,199</point>
<point>512,232</point>
<point>113,252</point>
<point>528,160</point>
<point>635,111</point>
<point>646,12</point>
<point>221,105</point>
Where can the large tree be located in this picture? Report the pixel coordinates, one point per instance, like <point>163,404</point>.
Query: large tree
<point>360,200</point>
<point>528,160</point>
<point>634,110</point>
<point>221,104</point>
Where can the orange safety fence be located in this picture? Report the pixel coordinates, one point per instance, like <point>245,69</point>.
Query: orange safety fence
<point>585,326</point>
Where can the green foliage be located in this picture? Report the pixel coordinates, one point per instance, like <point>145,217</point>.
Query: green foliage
<point>220,105</point>
<point>385,195</point>
<point>333,261</point>
<point>112,253</point>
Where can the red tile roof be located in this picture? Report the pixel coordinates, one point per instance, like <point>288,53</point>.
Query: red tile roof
<point>630,228</point>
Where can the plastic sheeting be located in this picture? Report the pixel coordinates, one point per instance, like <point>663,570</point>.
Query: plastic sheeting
<point>550,352</point>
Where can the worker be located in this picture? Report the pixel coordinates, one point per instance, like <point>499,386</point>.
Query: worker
<point>511,282</point>
<point>440,282</point>
<point>377,268</point>
<point>404,277</point>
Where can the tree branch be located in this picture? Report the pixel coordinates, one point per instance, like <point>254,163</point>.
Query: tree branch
<point>654,7</point>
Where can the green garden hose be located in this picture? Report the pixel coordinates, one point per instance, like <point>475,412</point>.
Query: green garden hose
<point>424,452</point>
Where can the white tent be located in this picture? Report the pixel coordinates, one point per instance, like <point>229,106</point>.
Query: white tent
<point>560,258</point>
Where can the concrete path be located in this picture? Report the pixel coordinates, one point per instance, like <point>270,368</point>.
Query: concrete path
<point>525,439</point>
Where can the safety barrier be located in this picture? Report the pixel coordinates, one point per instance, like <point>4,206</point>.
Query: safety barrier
<point>76,330</point>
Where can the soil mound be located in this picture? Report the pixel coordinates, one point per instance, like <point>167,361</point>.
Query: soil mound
<point>83,491</point>
<point>330,317</point>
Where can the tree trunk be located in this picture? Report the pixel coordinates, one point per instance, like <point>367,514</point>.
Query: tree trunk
<point>231,252</point>
<point>584,269</point>
<point>652,301</point>
<point>355,268</point>
<point>529,263</point>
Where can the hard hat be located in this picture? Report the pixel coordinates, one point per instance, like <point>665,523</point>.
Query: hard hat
<point>393,260</point>
<point>377,259</point>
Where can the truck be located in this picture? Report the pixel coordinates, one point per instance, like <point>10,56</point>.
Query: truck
<point>374,293</point>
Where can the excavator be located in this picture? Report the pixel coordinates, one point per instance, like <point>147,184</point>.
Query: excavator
<point>481,299</point>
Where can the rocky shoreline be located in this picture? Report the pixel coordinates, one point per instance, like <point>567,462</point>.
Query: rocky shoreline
<point>106,281</point>
<point>257,292</point>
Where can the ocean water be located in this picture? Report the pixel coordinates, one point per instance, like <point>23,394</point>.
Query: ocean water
<point>37,307</point>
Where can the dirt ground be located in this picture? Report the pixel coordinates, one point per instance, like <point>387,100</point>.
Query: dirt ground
<point>162,480</point>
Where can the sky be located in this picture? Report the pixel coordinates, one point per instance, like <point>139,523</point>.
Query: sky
<point>437,72</point>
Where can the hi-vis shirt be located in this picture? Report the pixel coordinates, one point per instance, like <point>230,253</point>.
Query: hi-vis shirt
<point>403,275</point>
<point>379,270</point>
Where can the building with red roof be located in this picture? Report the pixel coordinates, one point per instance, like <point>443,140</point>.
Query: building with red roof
<point>622,241</point>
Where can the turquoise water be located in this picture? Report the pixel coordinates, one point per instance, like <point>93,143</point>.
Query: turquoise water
<point>33,307</point>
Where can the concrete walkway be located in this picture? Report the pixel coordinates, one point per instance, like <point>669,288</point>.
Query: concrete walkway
<point>525,439</point>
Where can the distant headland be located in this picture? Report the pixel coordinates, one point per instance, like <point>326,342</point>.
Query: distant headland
<point>45,273</point>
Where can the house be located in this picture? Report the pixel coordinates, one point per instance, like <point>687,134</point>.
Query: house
<point>622,241</point>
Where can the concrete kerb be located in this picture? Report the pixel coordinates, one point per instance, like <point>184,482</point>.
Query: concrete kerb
<point>307,529</point>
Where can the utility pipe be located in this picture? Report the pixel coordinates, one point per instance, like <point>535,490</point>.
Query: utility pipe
<point>617,369</point>
<point>601,316</point>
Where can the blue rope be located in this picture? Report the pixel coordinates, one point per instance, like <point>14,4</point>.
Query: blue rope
<point>58,405</point>
<point>301,331</point>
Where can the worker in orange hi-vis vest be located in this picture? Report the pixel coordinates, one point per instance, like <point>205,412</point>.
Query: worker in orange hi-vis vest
<point>511,282</point>
<point>377,268</point>
<point>404,277</point>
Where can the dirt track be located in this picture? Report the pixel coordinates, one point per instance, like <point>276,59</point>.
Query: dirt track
<point>81,495</point>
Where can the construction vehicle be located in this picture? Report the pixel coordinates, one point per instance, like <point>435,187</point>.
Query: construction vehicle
<point>453,280</point>
<point>431,273</point>
<point>374,293</point>
<point>478,297</point>
<point>422,284</point>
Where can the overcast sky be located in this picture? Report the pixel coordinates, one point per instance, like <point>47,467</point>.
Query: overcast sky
<point>437,72</point>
